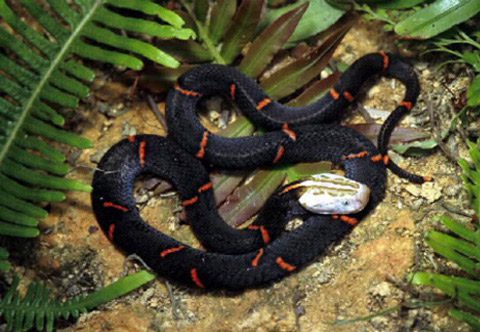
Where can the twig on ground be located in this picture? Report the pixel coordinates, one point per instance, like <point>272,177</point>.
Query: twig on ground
<point>156,111</point>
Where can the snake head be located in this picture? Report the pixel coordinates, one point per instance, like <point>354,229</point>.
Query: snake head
<point>328,193</point>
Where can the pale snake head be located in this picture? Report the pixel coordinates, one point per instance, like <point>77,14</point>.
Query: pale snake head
<point>328,193</point>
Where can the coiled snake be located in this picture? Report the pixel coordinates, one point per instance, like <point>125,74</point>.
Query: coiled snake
<point>263,252</point>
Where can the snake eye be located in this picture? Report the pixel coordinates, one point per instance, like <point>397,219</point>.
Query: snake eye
<point>346,203</point>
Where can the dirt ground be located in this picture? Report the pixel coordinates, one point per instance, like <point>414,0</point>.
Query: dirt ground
<point>365,274</point>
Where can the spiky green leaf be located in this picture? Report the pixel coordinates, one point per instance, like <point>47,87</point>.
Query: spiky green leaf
<point>270,41</point>
<point>241,29</point>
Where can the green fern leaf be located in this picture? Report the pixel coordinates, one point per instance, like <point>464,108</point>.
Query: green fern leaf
<point>41,73</point>
<point>471,175</point>
<point>37,309</point>
<point>462,247</point>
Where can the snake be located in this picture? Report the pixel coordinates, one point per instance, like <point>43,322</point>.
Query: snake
<point>264,252</point>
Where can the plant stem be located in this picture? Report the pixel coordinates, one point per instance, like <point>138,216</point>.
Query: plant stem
<point>202,33</point>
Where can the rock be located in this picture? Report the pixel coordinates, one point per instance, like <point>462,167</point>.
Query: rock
<point>413,189</point>
<point>430,191</point>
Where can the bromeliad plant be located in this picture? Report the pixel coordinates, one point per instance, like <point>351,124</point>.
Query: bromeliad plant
<point>258,45</point>
<point>43,70</point>
<point>242,37</point>
<point>461,246</point>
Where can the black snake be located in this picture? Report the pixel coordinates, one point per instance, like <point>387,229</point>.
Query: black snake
<point>263,252</point>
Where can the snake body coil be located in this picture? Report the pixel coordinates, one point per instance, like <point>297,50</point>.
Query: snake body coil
<point>262,253</point>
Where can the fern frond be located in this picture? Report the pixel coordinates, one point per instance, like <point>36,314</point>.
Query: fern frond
<point>41,73</point>
<point>461,247</point>
<point>471,175</point>
<point>37,310</point>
